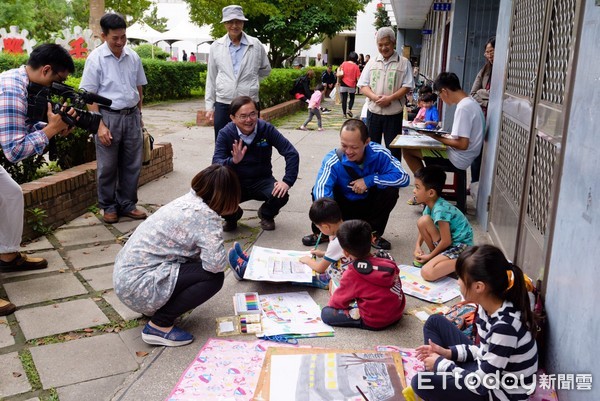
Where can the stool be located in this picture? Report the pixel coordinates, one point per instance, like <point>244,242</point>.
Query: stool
<point>457,191</point>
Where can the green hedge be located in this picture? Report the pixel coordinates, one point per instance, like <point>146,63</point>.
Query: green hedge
<point>170,80</point>
<point>275,88</point>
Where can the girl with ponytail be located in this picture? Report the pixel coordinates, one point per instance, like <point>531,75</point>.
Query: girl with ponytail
<point>503,364</point>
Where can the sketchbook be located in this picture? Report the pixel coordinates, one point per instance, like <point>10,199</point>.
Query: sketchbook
<point>439,291</point>
<point>267,264</point>
<point>292,314</point>
<point>330,374</point>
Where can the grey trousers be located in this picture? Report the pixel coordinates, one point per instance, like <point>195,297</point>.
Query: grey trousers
<point>11,213</point>
<point>119,164</point>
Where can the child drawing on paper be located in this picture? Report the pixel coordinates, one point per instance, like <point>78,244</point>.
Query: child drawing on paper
<point>372,281</point>
<point>442,227</point>
<point>506,327</point>
<point>327,216</point>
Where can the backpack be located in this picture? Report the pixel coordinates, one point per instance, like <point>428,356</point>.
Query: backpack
<point>463,315</point>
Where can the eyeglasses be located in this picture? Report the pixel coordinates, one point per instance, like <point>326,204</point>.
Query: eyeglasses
<point>250,116</point>
<point>61,77</point>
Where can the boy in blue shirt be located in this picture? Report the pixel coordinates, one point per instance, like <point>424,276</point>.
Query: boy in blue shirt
<point>442,227</point>
<point>431,113</point>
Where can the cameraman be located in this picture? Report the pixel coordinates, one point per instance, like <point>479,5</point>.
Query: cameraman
<point>20,139</point>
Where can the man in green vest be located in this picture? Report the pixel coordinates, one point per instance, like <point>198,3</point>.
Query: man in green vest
<point>386,80</point>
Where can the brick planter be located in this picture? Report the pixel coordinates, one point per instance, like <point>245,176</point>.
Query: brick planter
<point>279,110</point>
<point>68,194</point>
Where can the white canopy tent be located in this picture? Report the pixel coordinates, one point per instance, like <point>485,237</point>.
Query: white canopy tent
<point>187,32</point>
<point>142,31</point>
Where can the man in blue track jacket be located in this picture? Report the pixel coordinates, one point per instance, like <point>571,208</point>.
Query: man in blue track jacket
<point>363,178</point>
<point>246,145</point>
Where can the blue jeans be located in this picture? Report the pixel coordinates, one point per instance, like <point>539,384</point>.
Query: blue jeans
<point>444,333</point>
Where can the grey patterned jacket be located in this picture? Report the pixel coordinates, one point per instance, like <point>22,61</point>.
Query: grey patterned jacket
<point>146,269</point>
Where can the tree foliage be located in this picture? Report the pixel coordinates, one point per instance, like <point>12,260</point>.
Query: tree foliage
<point>46,18</point>
<point>287,26</point>
<point>133,10</point>
<point>152,19</point>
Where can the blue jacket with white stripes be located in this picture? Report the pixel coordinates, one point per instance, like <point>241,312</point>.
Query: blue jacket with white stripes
<point>379,168</point>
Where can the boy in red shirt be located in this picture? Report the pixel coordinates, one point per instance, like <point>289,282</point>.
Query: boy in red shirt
<point>372,282</point>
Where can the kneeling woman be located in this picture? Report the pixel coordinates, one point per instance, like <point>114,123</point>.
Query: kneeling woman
<point>174,261</point>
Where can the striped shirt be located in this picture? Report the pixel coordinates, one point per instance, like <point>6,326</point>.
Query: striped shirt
<point>379,168</point>
<point>19,138</point>
<point>506,346</point>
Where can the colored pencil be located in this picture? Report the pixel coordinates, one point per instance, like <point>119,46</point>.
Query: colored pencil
<point>317,245</point>
<point>361,393</point>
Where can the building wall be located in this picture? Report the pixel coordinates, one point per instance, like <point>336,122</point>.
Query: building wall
<point>494,114</point>
<point>365,31</point>
<point>572,294</point>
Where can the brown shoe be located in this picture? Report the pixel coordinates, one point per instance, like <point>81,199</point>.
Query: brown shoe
<point>6,308</point>
<point>135,214</point>
<point>266,223</point>
<point>23,263</point>
<point>110,217</point>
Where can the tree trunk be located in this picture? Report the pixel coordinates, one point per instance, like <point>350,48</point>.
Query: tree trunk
<point>96,12</point>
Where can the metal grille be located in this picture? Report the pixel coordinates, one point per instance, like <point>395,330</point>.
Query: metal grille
<point>559,46</point>
<point>512,152</point>
<point>525,45</point>
<point>540,187</point>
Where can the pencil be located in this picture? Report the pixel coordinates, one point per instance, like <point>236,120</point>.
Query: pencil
<point>317,245</point>
<point>361,393</point>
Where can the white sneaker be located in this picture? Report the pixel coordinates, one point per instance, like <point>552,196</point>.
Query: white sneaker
<point>474,188</point>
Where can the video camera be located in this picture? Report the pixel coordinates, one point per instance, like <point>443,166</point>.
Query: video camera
<point>39,96</point>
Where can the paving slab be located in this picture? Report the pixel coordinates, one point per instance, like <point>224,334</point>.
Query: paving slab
<point>44,289</point>
<point>6,334</point>
<point>99,389</point>
<point>94,255</point>
<point>83,235</point>
<point>133,340</point>
<point>126,225</point>
<point>122,310</point>
<point>55,263</point>
<point>82,360</point>
<point>59,318</point>
<point>13,379</point>
<point>100,278</point>
<point>37,244</point>
<point>85,220</point>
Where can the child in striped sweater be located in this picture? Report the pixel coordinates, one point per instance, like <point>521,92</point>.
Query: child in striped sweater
<point>502,365</point>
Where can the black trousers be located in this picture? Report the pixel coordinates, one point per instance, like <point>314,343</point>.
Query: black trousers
<point>221,117</point>
<point>260,189</point>
<point>194,287</point>
<point>375,209</point>
<point>344,96</point>
<point>386,126</point>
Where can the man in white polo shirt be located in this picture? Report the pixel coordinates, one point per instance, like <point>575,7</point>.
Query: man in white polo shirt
<point>115,72</point>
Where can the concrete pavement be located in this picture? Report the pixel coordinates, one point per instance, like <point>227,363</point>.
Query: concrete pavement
<point>70,332</point>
